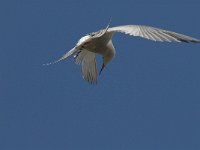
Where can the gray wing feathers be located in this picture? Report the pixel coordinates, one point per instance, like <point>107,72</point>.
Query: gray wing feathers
<point>87,60</point>
<point>152,33</point>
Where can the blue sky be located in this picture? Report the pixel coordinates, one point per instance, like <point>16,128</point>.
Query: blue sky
<point>147,98</point>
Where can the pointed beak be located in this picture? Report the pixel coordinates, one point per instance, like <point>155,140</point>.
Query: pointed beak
<point>103,66</point>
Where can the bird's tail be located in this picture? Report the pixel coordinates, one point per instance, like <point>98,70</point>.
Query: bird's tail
<point>105,30</point>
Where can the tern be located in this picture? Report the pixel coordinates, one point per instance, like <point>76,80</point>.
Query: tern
<point>100,42</point>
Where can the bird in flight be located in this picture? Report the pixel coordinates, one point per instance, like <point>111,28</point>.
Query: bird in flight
<point>100,42</point>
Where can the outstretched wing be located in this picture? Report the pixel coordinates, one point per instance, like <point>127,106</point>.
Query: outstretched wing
<point>72,51</point>
<point>87,60</point>
<point>154,34</point>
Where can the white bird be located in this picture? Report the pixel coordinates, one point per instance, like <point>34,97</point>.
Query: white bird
<point>101,43</point>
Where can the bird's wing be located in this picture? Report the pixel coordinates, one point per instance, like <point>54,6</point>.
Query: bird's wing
<point>72,51</point>
<point>87,60</point>
<point>152,33</point>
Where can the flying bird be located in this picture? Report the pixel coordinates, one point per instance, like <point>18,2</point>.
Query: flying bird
<point>100,42</point>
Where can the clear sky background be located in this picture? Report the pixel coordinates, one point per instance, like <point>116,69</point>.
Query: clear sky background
<point>147,98</point>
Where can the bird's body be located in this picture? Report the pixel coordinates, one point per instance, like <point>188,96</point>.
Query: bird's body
<point>101,43</point>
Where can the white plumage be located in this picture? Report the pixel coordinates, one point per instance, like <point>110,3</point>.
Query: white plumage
<point>101,43</point>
